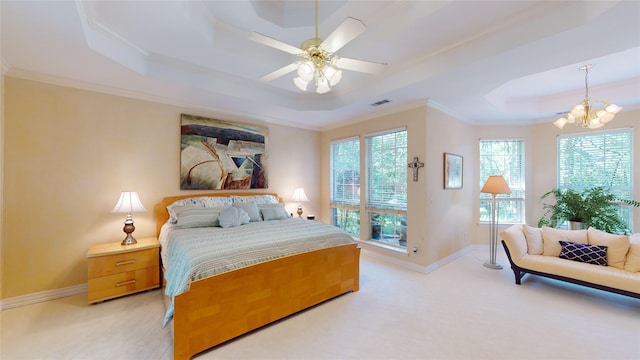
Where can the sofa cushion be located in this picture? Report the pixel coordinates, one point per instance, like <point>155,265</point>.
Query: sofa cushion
<point>633,256</point>
<point>590,254</point>
<point>601,275</point>
<point>617,246</point>
<point>551,238</point>
<point>534,239</point>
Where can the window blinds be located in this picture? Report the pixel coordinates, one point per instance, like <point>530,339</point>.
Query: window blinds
<point>387,170</point>
<point>597,159</point>
<point>345,172</point>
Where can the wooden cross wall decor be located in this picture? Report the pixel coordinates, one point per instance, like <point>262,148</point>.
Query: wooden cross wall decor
<point>415,165</point>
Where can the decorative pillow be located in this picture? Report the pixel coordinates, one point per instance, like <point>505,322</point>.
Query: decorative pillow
<point>534,239</point>
<point>251,208</point>
<point>197,217</point>
<point>551,236</point>
<point>258,199</point>
<point>633,256</point>
<point>197,202</point>
<point>591,254</point>
<point>273,211</point>
<point>617,246</point>
<point>233,216</point>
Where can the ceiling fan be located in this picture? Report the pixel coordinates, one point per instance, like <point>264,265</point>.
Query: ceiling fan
<point>318,58</point>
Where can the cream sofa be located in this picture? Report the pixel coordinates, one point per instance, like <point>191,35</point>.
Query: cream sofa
<point>539,251</point>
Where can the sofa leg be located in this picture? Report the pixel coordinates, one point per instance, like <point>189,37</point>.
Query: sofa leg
<point>518,274</point>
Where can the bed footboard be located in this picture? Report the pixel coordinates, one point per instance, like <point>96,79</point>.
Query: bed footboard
<point>222,307</point>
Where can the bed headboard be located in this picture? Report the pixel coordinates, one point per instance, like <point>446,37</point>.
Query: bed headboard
<point>162,215</point>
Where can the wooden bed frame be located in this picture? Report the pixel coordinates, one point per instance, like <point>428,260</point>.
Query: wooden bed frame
<point>227,305</point>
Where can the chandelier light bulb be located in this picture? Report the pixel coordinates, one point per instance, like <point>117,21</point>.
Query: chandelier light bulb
<point>613,108</point>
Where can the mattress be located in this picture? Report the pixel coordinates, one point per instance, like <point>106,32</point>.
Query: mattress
<point>197,253</point>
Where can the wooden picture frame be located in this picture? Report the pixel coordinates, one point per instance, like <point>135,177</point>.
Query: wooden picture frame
<point>452,171</point>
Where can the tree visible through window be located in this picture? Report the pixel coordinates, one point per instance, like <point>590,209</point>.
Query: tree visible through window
<point>387,187</point>
<point>345,185</point>
<point>603,158</point>
<point>503,157</point>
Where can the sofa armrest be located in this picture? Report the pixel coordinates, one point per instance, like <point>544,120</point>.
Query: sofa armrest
<point>515,240</point>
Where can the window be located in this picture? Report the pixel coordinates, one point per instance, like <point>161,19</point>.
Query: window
<point>604,158</point>
<point>387,187</point>
<point>345,185</point>
<point>503,157</point>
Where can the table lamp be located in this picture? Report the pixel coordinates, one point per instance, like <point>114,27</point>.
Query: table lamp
<point>128,203</point>
<point>299,196</point>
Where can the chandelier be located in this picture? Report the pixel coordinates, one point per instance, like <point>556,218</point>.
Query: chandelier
<point>317,64</point>
<point>585,114</point>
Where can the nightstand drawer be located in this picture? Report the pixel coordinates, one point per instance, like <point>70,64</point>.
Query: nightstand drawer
<point>111,264</point>
<point>108,287</point>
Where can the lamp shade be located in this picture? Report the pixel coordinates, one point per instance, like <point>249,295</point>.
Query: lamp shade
<point>299,195</point>
<point>129,202</point>
<point>496,184</point>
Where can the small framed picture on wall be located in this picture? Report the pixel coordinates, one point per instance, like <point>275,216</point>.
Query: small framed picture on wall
<point>452,171</point>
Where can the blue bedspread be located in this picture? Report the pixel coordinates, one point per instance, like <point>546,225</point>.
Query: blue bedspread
<point>198,253</point>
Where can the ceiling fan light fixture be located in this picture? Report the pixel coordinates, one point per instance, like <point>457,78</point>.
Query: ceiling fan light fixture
<point>322,85</point>
<point>587,114</point>
<point>306,70</point>
<point>300,83</point>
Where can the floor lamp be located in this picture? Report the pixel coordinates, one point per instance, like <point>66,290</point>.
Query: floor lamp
<point>494,185</point>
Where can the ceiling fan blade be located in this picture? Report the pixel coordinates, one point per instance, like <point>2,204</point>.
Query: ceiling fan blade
<point>280,72</point>
<point>347,31</point>
<point>359,65</point>
<point>277,44</point>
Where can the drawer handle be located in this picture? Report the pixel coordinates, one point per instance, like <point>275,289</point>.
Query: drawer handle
<point>127,262</point>
<point>126,282</point>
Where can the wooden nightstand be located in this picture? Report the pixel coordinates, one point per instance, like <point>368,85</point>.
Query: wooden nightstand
<point>116,270</point>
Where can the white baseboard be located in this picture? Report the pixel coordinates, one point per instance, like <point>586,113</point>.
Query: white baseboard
<point>42,296</point>
<point>421,268</point>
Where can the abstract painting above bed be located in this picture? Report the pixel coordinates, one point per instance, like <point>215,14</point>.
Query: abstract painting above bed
<point>217,155</point>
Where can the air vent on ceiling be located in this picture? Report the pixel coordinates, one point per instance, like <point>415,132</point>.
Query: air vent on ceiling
<point>381,102</point>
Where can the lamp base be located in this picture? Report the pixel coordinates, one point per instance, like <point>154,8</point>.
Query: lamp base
<point>299,212</point>
<point>129,240</point>
<point>492,266</point>
<point>128,229</point>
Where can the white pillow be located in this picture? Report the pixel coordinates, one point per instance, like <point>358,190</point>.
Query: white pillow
<point>233,216</point>
<point>258,199</point>
<point>197,217</point>
<point>551,238</point>
<point>197,202</point>
<point>273,211</point>
<point>534,239</point>
<point>617,246</point>
<point>633,256</point>
<point>251,208</point>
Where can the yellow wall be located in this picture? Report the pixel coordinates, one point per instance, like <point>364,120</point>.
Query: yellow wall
<point>438,220</point>
<point>68,155</point>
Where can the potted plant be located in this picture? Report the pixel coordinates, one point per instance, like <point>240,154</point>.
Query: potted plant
<point>592,207</point>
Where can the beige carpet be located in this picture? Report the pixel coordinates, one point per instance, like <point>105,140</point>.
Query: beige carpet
<point>460,311</point>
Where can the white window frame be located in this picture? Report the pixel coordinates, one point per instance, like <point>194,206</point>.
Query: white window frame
<point>385,207</point>
<point>607,148</point>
